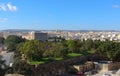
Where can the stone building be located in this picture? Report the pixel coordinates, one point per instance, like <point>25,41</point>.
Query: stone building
<point>36,35</point>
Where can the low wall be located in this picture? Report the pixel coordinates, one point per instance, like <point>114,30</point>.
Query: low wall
<point>13,75</point>
<point>85,67</point>
<point>114,66</point>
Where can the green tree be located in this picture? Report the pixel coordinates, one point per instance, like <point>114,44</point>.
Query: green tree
<point>12,41</point>
<point>112,50</point>
<point>2,40</point>
<point>21,67</point>
<point>2,70</point>
<point>89,44</point>
<point>60,50</point>
<point>101,48</point>
<point>48,49</point>
<point>33,50</point>
<point>72,46</point>
<point>57,49</point>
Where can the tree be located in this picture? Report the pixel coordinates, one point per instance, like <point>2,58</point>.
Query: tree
<point>89,44</point>
<point>48,49</point>
<point>72,46</point>
<point>109,49</point>
<point>2,40</point>
<point>101,48</point>
<point>55,49</point>
<point>113,49</point>
<point>21,67</point>
<point>2,70</point>
<point>32,50</point>
<point>12,41</point>
<point>60,50</point>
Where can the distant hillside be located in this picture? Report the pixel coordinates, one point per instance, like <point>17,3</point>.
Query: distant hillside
<point>28,30</point>
<point>17,30</point>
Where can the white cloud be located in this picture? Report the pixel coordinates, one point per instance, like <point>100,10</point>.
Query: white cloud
<point>116,6</point>
<point>11,7</point>
<point>8,7</point>
<point>3,19</point>
<point>3,7</point>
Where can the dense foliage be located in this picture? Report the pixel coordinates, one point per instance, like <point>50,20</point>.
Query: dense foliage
<point>2,40</point>
<point>35,50</point>
<point>12,41</point>
<point>2,69</point>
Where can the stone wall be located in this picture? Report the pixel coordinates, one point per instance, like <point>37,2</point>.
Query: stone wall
<point>85,67</point>
<point>114,66</point>
<point>13,75</point>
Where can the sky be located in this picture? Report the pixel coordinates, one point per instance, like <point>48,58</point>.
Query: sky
<point>60,14</point>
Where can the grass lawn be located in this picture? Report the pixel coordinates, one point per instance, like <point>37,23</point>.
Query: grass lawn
<point>60,58</point>
<point>51,59</point>
<point>86,53</point>
<point>92,51</point>
<point>74,54</point>
<point>36,62</point>
<point>45,60</point>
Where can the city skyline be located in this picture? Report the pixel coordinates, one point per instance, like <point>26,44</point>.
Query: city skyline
<point>60,14</point>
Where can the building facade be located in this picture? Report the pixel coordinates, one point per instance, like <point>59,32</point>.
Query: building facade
<point>36,35</point>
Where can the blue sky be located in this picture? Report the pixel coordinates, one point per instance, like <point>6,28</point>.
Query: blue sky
<point>60,14</point>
